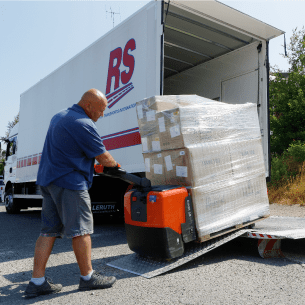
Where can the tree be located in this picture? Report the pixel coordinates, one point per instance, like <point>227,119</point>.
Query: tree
<point>295,48</point>
<point>1,168</point>
<point>10,125</point>
<point>287,98</point>
<point>2,156</point>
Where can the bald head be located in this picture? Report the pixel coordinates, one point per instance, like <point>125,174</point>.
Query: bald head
<point>94,103</point>
<point>93,94</point>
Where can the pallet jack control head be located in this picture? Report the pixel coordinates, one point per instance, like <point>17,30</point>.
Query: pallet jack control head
<point>119,172</point>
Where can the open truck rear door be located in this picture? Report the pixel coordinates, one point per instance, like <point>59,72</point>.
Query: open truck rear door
<point>217,52</point>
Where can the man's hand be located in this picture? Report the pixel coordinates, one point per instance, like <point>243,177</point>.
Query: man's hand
<point>98,168</point>
<point>110,167</point>
<point>116,171</point>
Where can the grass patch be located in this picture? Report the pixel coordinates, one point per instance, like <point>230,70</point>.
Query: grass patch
<point>289,191</point>
<point>287,184</point>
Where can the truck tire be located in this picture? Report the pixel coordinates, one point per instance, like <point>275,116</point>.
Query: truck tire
<point>10,204</point>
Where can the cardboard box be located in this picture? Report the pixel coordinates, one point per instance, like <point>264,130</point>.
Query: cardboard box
<point>177,129</point>
<point>189,125</point>
<point>150,143</point>
<point>148,128</point>
<point>155,168</point>
<point>146,108</point>
<point>178,167</point>
<point>192,166</point>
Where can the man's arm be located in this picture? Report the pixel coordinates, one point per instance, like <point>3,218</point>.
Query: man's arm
<point>109,165</point>
<point>106,159</point>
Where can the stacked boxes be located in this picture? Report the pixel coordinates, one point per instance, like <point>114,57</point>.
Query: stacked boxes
<point>212,148</point>
<point>189,166</point>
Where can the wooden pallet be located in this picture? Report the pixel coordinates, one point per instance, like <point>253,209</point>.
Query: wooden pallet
<point>236,227</point>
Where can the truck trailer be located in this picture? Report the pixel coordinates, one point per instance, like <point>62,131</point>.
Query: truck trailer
<point>165,48</point>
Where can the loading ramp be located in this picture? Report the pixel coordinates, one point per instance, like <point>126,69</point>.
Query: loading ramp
<point>269,233</point>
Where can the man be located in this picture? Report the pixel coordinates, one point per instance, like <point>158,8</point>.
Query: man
<point>65,174</point>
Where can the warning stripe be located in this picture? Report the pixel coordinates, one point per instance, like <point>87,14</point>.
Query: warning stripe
<point>270,248</point>
<point>262,236</point>
<point>270,245</point>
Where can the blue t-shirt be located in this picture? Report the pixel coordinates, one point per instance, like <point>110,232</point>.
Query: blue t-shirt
<point>69,151</point>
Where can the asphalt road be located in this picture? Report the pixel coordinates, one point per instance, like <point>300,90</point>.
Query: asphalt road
<point>230,274</point>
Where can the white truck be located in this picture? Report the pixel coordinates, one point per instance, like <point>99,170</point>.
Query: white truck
<point>1,188</point>
<point>165,48</point>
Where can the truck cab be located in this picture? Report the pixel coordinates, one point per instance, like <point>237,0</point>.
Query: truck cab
<point>10,170</point>
<point>1,188</point>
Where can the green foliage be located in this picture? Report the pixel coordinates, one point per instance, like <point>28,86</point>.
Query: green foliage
<point>2,156</point>
<point>1,168</point>
<point>279,172</point>
<point>287,103</point>
<point>297,151</point>
<point>296,48</point>
<point>10,125</point>
<point>287,166</point>
<point>287,110</point>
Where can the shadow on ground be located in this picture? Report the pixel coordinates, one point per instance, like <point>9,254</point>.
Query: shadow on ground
<point>20,232</point>
<point>67,275</point>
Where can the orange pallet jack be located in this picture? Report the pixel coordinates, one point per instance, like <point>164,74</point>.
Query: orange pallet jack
<point>159,220</point>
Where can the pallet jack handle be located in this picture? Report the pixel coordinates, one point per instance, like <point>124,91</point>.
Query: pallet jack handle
<point>118,172</point>
<point>141,182</point>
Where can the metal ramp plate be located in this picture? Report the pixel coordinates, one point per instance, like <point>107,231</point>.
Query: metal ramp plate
<point>281,227</point>
<point>149,268</point>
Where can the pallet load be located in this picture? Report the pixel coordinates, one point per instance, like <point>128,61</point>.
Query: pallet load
<point>212,148</point>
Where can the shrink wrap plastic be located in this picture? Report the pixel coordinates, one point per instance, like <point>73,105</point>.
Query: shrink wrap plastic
<point>212,148</point>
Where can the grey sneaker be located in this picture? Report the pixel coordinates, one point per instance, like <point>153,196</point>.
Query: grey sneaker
<point>47,287</point>
<point>97,281</point>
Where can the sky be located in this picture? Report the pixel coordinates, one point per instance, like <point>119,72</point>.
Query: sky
<point>37,37</point>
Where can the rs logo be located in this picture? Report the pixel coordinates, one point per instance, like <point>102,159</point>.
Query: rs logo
<point>123,77</point>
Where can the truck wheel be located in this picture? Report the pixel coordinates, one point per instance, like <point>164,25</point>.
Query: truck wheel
<point>10,204</point>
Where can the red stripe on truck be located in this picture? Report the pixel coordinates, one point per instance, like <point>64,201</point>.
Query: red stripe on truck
<point>119,133</point>
<point>130,139</point>
<point>116,140</point>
